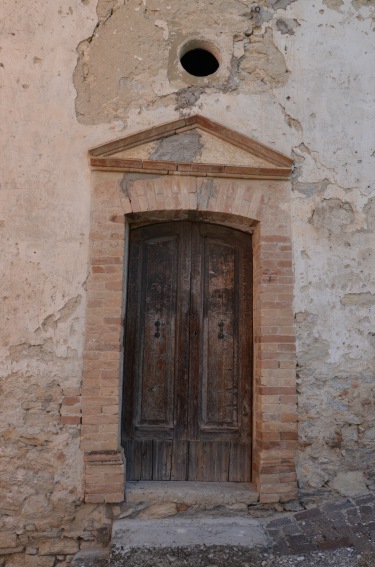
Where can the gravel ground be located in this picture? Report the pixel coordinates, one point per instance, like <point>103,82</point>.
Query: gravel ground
<point>346,557</point>
<point>216,556</point>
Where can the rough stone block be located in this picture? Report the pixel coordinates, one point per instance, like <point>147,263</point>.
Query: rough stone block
<point>8,540</point>
<point>58,547</point>
<point>22,560</point>
<point>10,550</point>
<point>350,483</point>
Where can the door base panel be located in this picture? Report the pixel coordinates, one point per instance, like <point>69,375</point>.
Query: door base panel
<point>214,461</point>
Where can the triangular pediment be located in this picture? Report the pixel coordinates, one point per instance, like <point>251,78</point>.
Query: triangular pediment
<point>192,146</point>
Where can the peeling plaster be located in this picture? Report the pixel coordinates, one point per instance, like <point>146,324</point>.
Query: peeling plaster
<point>334,4</point>
<point>280,4</point>
<point>188,97</point>
<point>364,299</point>
<point>292,122</point>
<point>113,76</point>
<point>300,79</point>
<point>185,147</point>
<point>286,26</point>
<point>312,189</point>
<point>264,63</point>
<point>129,179</point>
<point>358,4</point>
<point>51,322</point>
<point>369,211</point>
<point>333,215</point>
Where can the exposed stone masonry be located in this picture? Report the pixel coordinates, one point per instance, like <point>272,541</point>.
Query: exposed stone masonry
<point>297,76</point>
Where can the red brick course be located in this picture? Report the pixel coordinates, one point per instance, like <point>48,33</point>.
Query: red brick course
<point>259,206</point>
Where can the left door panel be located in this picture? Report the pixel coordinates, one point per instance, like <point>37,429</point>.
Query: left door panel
<point>156,372</point>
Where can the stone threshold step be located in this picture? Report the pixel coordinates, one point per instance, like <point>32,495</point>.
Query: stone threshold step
<point>195,494</point>
<point>185,541</point>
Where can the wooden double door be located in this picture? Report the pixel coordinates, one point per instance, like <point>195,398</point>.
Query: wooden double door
<point>188,353</point>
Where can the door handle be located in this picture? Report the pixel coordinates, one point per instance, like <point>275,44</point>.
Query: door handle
<point>221,330</point>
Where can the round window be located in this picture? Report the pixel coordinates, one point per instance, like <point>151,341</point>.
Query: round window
<point>199,62</point>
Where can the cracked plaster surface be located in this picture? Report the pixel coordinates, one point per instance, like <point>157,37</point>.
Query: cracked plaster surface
<point>308,94</point>
<point>113,75</point>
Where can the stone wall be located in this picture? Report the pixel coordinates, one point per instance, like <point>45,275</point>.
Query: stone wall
<point>297,76</point>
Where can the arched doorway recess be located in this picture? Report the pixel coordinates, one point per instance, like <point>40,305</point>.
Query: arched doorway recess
<point>252,195</point>
<point>188,353</point>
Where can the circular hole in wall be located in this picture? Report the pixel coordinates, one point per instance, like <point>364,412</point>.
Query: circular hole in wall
<point>199,61</point>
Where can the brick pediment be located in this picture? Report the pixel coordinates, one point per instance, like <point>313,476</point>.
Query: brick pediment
<point>192,146</point>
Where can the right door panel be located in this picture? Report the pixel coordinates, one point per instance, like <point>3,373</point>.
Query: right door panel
<point>221,358</point>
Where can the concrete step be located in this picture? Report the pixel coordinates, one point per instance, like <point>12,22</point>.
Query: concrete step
<point>198,541</point>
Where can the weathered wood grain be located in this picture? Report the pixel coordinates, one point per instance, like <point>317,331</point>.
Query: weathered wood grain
<point>188,337</point>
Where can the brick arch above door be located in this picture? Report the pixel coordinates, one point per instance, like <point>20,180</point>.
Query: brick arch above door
<point>260,206</point>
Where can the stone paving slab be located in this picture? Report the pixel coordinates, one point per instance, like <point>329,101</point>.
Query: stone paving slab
<point>333,525</point>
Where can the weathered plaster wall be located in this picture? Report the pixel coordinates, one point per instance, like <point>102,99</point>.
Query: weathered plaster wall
<point>44,234</point>
<point>298,76</point>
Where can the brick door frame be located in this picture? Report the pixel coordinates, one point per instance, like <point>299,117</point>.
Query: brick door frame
<point>260,206</point>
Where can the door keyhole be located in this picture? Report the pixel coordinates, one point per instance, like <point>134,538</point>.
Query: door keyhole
<point>157,327</point>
